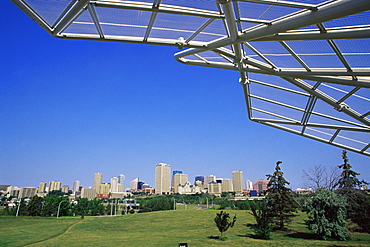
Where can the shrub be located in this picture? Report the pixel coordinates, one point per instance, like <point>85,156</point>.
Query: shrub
<point>327,215</point>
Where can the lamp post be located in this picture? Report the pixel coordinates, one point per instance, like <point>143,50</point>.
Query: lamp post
<point>19,205</point>
<point>174,203</point>
<point>207,201</point>
<point>59,208</point>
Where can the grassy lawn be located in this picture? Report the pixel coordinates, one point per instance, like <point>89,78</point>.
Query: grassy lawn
<point>165,228</point>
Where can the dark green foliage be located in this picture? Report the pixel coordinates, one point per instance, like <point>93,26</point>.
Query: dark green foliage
<point>348,177</point>
<point>81,207</point>
<point>224,203</point>
<point>327,214</point>
<point>223,222</point>
<point>34,207</point>
<point>261,215</point>
<point>281,204</point>
<point>156,204</point>
<point>358,209</point>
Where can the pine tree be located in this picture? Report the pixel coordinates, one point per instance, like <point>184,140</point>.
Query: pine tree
<point>281,204</point>
<point>348,177</point>
<point>358,209</point>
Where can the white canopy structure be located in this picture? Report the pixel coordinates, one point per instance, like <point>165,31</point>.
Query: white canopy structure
<point>304,65</point>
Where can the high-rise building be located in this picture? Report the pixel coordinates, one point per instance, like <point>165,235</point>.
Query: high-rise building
<point>98,178</point>
<point>27,192</point>
<point>134,184</point>
<point>54,185</point>
<point>114,184</point>
<point>121,180</point>
<point>226,185</point>
<point>260,185</point>
<point>88,193</point>
<point>237,178</point>
<point>76,186</point>
<point>199,178</point>
<point>249,185</point>
<point>103,191</point>
<point>209,179</point>
<point>65,189</point>
<point>162,178</point>
<point>176,172</point>
<point>178,179</point>
<point>42,187</point>
<point>214,188</point>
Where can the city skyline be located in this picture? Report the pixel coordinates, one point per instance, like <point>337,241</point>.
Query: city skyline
<point>72,108</point>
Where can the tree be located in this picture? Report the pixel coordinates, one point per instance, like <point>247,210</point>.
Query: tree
<point>327,214</point>
<point>358,201</point>
<point>223,223</point>
<point>34,206</point>
<point>263,228</point>
<point>348,177</point>
<point>281,204</point>
<point>321,177</point>
<point>82,207</point>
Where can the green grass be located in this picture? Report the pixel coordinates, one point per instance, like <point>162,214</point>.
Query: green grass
<point>165,228</point>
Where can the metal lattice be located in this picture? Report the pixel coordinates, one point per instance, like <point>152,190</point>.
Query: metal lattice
<point>304,64</point>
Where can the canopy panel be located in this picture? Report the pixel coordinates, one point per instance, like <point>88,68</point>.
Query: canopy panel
<point>304,65</point>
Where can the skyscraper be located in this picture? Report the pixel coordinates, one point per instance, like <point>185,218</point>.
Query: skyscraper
<point>178,179</point>
<point>98,178</point>
<point>249,185</point>
<point>162,178</point>
<point>237,177</point>
<point>209,179</point>
<point>114,184</point>
<point>76,186</point>
<point>199,178</point>
<point>134,184</point>
<point>42,187</point>
<point>121,180</point>
<point>54,185</point>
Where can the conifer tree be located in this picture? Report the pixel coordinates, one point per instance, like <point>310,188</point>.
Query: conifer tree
<point>358,209</point>
<point>281,204</point>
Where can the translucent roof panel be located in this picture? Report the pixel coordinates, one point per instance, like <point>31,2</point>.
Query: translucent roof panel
<point>304,65</point>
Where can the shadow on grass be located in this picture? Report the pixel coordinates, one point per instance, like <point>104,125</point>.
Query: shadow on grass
<point>303,235</point>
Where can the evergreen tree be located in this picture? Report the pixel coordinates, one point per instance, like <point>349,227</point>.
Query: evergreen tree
<point>358,209</point>
<point>327,214</point>
<point>348,177</point>
<point>281,204</point>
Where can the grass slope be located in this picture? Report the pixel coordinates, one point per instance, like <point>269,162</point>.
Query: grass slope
<point>166,228</point>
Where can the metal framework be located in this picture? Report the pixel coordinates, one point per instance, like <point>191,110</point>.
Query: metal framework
<point>304,65</point>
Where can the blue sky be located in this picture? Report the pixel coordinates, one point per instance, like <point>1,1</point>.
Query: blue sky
<point>70,108</point>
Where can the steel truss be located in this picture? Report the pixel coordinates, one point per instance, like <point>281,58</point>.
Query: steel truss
<point>304,67</point>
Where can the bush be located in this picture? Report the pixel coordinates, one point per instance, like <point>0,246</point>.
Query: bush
<point>327,215</point>
<point>263,228</point>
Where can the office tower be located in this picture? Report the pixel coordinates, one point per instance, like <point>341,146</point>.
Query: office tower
<point>114,184</point>
<point>162,178</point>
<point>178,179</point>
<point>214,188</point>
<point>65,189</point>
<point>88,193</point>
<point>103,191</point>
<point>260,185</point>
<point>98,178</point>
<point>42,187</point>
<point>209,179</point>
<point>140,185</point>
<point>199,178</point>
<point>134,184</point>
<point>121,180</point>
<point>76,186</point>
<point>226,185</point>
<point>27,192</point>
<point>249,185</point>
<point>176,172</point>
<point>237,177</point>
<point>54,185</point>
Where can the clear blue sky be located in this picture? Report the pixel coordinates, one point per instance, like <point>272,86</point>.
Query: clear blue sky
<point>70,108</point>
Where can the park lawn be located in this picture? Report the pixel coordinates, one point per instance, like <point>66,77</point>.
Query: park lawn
<point>162,228</point>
